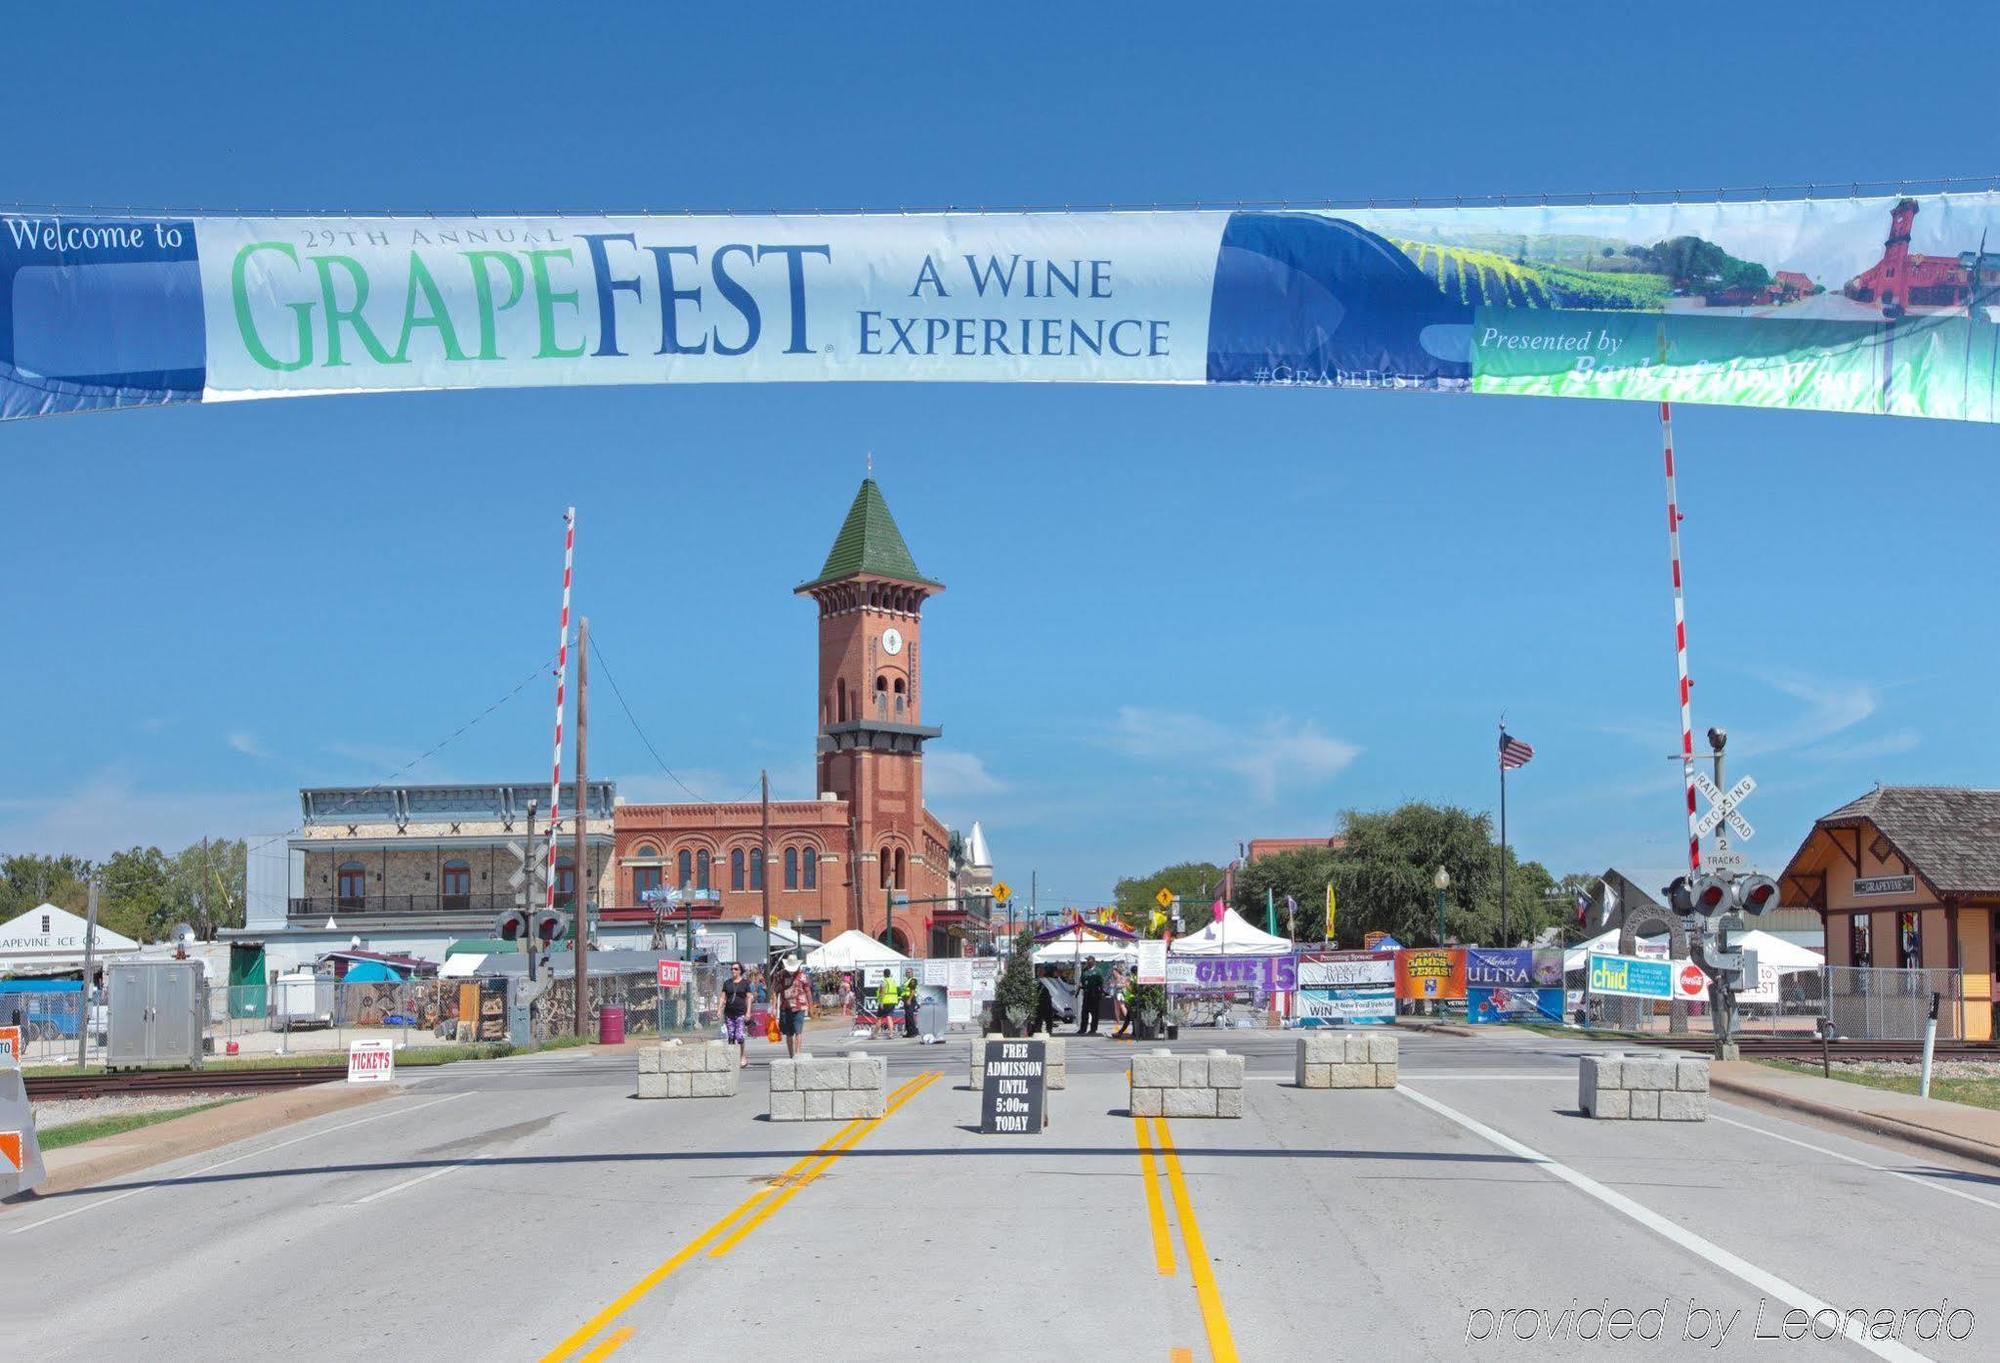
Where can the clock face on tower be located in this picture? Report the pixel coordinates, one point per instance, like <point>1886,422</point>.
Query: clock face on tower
<point>892,642</point>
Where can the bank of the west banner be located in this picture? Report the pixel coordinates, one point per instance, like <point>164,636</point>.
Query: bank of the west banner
<point>1880,305</point>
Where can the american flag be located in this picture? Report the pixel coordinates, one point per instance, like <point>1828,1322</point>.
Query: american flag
<point>1513,752</point>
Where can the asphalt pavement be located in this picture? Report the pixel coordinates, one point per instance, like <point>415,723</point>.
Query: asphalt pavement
<point>532,1208</point>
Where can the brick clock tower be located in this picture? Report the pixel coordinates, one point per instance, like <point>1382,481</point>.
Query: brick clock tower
<point>871,729</point>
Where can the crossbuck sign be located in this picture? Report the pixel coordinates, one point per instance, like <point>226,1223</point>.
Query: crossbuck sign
<point>1723,807</point>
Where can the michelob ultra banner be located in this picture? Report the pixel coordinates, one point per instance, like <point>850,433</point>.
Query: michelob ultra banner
<point>1881,305</point>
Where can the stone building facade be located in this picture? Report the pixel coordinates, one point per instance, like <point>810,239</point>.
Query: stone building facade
<point>866,854</point>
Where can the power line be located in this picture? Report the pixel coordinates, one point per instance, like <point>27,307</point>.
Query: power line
<point>393,777</point>
<point>639,729</point>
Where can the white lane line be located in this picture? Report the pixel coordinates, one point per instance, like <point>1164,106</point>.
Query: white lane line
<point>233,1159</point>
<point>1770,1284</point>
<point>406,1183</point>
<point>1559,1076</point>
<point>1921,1180</point>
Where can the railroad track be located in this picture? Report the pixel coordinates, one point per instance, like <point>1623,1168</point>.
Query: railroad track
<point>1808,1048</point>
<point>46,1087</point>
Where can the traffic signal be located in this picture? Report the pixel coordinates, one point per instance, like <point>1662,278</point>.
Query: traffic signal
<point>1756,895</point>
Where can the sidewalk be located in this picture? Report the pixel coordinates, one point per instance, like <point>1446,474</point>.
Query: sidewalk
<point>1958,1129</point>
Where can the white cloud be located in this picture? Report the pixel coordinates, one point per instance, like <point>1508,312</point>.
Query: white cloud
<point>246,743</point>
<point>950,774</point>
<point>1831,707</point>
<point>110,811</point>
<point>1277,755</point>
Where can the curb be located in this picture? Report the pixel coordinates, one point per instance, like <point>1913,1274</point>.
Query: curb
<point>1439,1028</point>
<point>1865,1121</point>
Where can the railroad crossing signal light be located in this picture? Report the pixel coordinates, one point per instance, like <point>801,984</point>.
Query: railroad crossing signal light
<point>1756,895</point>
<point>510,926</point>
<point>549,925</point>
<point>1709,894</point>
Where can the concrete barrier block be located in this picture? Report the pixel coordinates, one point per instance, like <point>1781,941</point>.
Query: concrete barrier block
<point>1359,1075</point>
<point>653,1085</point>
<point>712,1084</point>
<point>1229,1102</point>
<point>649,1060</point>
<point>1385,1076</point>
<point>784,1076</point>
<point>1323,1048</point>
<point>822,1075</point>
<point>718,1057</point>
<point>1382,1049</point>
<point>1355,1049</point>
<point>851,1103</point>
<point>866,1072</point>
<point>788,1106</point>
<point>1654,1072</point>
<point>1145,1102</point>
<point>1605,1071</point>
<point>1586,1084</point>
<point>680,1059</point>
<point>1691,1075</point>
<point>1187,1103</point>
<point>1058,1076</point>
<point>1680,1106</point>
<point>1316,1076</point>
<point>1612,1104</point>
<point>819,1104</point>
<point>679,1084</point>
<point>1194,1071</point>
<point>1645,1104</point>
<point>1161,1069</point>
<point>1225,1071</point>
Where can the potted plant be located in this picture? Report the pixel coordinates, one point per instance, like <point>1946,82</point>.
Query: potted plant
<point>1017,995</point>
<point>1150,1012</point>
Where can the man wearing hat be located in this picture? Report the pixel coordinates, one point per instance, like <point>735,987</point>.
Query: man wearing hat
<point>794,994</point>
<point>1092,1002</point>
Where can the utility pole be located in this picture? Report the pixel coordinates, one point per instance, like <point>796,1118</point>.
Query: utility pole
<point>764,855</point>
<point>202,912</point>
<point>1034,885</point>
<point>89,962</point>
<point>579,918</point>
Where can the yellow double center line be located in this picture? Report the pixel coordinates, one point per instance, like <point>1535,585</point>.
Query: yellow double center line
<point>1221,1344</point>
<point>762,1203</point>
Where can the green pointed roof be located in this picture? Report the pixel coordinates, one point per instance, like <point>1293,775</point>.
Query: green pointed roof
<point>869,542</point>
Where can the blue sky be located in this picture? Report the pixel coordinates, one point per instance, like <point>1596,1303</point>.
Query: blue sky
<point>1176,618</point>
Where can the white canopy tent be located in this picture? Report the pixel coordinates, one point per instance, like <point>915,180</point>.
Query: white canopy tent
<point>1231,935</point>
<point>1075,950</point>
<point>1785,957</point>
<point>853,950</point>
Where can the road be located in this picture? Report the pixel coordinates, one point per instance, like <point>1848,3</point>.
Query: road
<point>532,1208</point>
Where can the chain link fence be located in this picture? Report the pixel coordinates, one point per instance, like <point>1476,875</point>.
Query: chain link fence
<point>1885,1004</point>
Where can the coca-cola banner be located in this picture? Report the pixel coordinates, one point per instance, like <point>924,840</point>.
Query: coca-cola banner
<point>1874,305</point>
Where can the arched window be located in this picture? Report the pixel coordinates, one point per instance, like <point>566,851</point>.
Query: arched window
<point>565,882</point>
<point>644,878</point>
<point>757,855</point>
<point>455,885</point>
<point>701,869</point>
<point>684,869</point>
<point>352,888</point>
<point>735,868</point>
<point>791,868</point>
<point>646,851</point>
<point>809,873</point>
<point>840,691</point>
<point>899,695</point>
<point>881,697</point>
<point>886,867</point>
<point>902,879</point>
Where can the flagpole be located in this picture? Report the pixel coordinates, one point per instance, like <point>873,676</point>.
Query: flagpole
<point>1503,837</point>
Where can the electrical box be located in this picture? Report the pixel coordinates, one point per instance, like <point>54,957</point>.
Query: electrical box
<point>156,1012</point>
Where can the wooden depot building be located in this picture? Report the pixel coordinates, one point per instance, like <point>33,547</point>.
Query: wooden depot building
<point>1909,876</point>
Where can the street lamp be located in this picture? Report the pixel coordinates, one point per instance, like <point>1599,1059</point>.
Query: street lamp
<point>1442,882</point>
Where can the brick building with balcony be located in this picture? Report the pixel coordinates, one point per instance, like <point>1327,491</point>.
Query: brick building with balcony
<point>409,868</point>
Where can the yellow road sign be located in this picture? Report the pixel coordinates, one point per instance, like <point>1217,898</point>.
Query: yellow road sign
<point>1165,898</point>
<point>1002,892</point>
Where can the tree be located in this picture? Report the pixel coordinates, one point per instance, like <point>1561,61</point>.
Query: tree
<point>1017,996</point>
<point>1193,881</point>
<point>137,894</point>
<point>28,881</point>
<point>1304,875</point>
<point>1699,265</point>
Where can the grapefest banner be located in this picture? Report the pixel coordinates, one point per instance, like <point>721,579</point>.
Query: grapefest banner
<point>1875,305</point>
